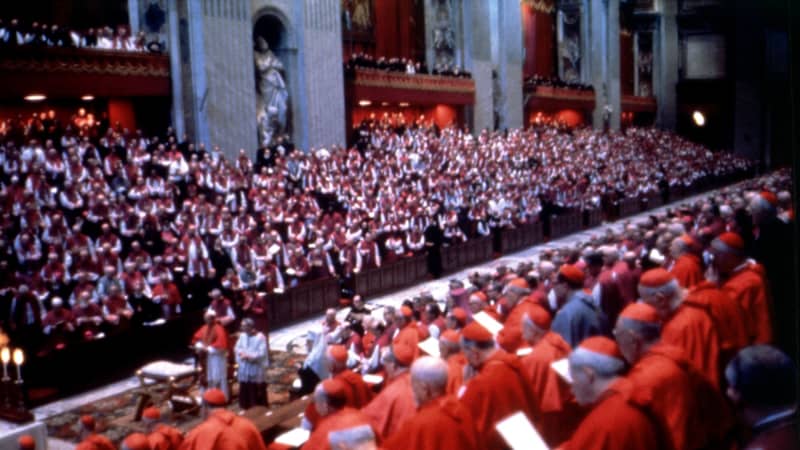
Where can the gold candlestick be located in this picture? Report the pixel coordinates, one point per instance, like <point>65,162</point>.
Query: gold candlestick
<point>19,358</point>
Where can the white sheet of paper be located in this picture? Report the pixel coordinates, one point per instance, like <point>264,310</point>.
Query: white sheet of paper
<point>519,433</point>
<point>372,379</point>
<point>562,368</point>
<point>430,346</point>
<point>294,437</point>
<point>524,351</point>
<point>486,321</point>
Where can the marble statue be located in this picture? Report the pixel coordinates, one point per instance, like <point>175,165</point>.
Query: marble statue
<point>273,96</point>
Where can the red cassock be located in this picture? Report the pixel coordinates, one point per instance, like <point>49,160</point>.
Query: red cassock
<point>393,406</point>
<point>557,413</point>
<point>727,316</point>
<point>165,437</point>
<point>688,270</point>
<point>224,429</point>
<point>749,288</point>
<point>340,420</point>
<point>455,372</point>
<point>359,393</point>
<point>514,318</point>
<point>617,422</point>
<point>498,391</point>
<point>442,424</point>
<point>691,410</point>
<point>692,329</point>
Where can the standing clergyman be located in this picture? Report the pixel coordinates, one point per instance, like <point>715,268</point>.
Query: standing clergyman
<point>253,360</point>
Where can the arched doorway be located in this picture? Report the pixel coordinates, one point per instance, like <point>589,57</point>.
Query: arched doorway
<point>270,26</point>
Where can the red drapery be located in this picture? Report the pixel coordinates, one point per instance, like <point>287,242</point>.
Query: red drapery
<point>539,36</point>
<point>393,28</point>
<point>626,67</point>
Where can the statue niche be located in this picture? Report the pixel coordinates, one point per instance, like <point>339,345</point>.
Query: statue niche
<point>272,102</point>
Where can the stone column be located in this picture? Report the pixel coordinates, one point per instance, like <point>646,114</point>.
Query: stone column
<point>665,70</point>
<point>604,32</point>
<point>512,60</point>
<point>176,74</point>
<point>613,74</point>
<point>197,68</point>
<point>324,77</point>
<point>598,30</point>
<point>479,37</point>
<point>133,16</point>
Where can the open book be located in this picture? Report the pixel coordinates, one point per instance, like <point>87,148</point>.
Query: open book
<point>430,346</point>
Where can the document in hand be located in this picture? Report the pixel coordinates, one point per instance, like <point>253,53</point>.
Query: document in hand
<point>488,322</point>
<point>430,346</point>
<point>519,433</point>
<point>562,368</point>
<point>293,438</point>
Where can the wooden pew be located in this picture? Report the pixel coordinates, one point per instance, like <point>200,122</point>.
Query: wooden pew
<point>272,423</point>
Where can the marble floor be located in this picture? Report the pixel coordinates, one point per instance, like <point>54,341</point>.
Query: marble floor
<point>291,338</point>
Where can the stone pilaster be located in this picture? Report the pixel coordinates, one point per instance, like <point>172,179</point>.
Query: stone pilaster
<point>176,78</point>
<point>478,39</point>
<point>324,77</point>
<point>598,30</point>
<point>613,75</point>
<point>229,100</point>
<point>666,62</point>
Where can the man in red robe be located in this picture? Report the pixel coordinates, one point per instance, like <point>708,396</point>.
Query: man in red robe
<point>557,412</point>
<point>686,323</point>
<point>441,422</point>
<point>690,409</point>
<point>330,399</point>
<point>618,419</point>
<point>395,403</point>
<point>743,280</point>
<point>211,340</point>
<point>359,393</point>
<point>450,352</point>
<point>498,389</point>
<point>222,429</point>
<point>688,267</point>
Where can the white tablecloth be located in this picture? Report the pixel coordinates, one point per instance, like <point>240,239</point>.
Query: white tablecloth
<point>9,436</point>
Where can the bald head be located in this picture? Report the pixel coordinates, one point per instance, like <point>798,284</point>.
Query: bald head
<point>428,379</point>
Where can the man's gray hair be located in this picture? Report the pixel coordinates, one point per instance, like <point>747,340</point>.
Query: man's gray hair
<point>430,371</point>
<point>604,365</point>
<point>351,437</point>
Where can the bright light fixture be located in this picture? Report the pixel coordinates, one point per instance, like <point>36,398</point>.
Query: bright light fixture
<point>384,103</point>
<point>87,98</point>
<point>364,103</point>
<point>35,97</point>
<point>403,104</point>
<point>698,118</point>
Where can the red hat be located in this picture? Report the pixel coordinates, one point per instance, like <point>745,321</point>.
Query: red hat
<point>519,282</point>
<point>571,273</point>
<point>334,389</point>
<point>771,198</point>
<point>406,311</point>
<point>338,353</point>
<point>452,336</point>
<point>215,397</point>
<point>403,353</point>
<point>641,312</point>
<point>26,442</point>
<point>655,278</point>
<point>151,413</point>
<point>601,345</point>
<point>88,422</point>
<point>509,339</point>
<point>136,441</point>
<point>460,314</point>
<point>731,240</point>
<point>477,333</point>
<point>539,316</point>
<point>691,242</point>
